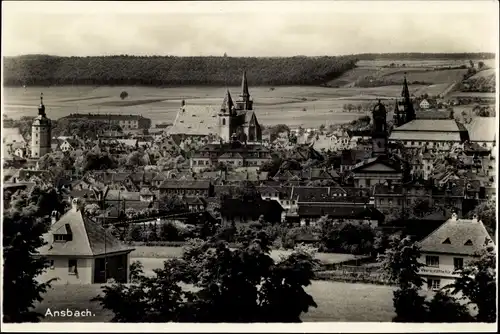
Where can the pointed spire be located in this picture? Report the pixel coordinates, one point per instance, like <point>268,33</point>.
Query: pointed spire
<point>406,92</point>
<point>227,104</point>
<point>41,108</point>
<point>244,86</point>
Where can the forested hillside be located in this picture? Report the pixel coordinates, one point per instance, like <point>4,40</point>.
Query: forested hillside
<point>171,71</point>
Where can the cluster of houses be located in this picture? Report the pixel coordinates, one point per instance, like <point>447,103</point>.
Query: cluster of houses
<point>354,176</point>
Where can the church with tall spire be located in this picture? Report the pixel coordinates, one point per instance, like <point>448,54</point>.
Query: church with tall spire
<point>404,111</point>
<point>237,120</point>
<point>41,133</point>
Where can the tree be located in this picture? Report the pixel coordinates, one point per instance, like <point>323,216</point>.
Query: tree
<point>123,95</point>
<point>231,285</point>
<point>275,130</point>
<point>169,232</point>
<point>134,233</point>
<point>172,204</point>
<point>480,65</point>
<point>24,223</point>
<point>487,213</point>
<point>445,308</point>
<point>400,265</point>
<point>477,284</point>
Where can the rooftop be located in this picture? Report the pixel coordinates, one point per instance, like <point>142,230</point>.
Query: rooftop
<point>457,236</point>
<point>88,238</point>
<point>483,129</point>
<point>432,125</point>
<point>195,120</point>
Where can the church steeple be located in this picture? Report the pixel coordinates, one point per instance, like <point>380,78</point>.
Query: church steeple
<point>227,104</point>
<point>406,92</point>
<point>379,130</point>
<point>41,108</point>
<point>244,102</point>
<point>244,87</point>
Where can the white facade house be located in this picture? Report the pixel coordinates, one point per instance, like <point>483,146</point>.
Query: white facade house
<point>81,251</point>
<point>425,104</point>
<point>449,248</point>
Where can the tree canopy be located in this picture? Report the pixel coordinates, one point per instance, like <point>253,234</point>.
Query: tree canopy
<point>24,222</point>
<point>225,285</point>
<point>168,70</point>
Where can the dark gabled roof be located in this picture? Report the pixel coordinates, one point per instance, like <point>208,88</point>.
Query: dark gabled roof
<point>339,211</point>
<point>185,184</point>
<point>237,207</point>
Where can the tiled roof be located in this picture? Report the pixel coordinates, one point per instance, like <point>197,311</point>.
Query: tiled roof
<point>88,237</point>
<point>439,125</point>
<point>191,184</point>
<point>483,129</point>
<point>459,232</point>
<point>421,135</point>
<point>195,120</point>
<point>114,195</point>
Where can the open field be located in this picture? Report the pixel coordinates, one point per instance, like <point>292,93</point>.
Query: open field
<point>336,302</point>
<point>301,105</point>
<point>160,253</point>
<point>425,63</point>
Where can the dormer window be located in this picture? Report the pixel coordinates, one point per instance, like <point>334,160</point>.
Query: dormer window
<point>468,243</point>
<point>447,241</point>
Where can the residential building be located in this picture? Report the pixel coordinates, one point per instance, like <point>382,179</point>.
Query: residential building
<point>125,122</point>
<point>234,154</point>
<point>424,104</point>
<point>189,188</point>
<point>41,139</point>
<point>80,251</point>
<point>449,248</point>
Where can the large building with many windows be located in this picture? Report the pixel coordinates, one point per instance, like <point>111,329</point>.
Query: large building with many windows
<point>449,248</point>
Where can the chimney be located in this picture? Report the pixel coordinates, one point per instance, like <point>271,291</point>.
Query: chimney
<point>54,217</point>
<point>454,217</point>
<point>75,204</point>
<point>474,219</point>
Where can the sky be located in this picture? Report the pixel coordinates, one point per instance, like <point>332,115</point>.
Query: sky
<point>247,28</point>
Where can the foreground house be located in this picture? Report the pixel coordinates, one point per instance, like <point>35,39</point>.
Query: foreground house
<point>449,248</point>
<point>77,248</point>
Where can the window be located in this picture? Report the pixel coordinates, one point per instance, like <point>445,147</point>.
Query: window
<point>432,261</point>
<point>447,241</point>
<point>433,284</point>
<point>72,268</point>
<point>223,121</point>
<point>468,243</point>
<point>52,264</point>
<point>59,237</point>
<point>458,263</point>
<point>36,142</point>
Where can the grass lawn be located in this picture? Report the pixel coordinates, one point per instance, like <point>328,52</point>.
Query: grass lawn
<point>171,252</point>
<point>336,302</point>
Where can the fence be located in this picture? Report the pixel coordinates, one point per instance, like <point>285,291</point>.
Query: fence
<point>353,274</point>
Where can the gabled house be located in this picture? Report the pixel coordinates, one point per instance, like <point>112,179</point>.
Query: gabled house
<point>81,251</point>
<point>449,248</point>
